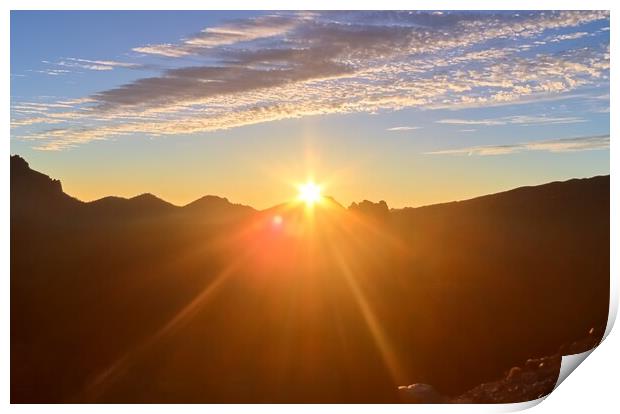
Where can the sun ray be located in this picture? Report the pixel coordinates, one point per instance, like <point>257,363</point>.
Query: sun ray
<point>114,370</point>
<point>386,350</point>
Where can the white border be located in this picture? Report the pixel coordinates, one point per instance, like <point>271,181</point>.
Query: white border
<point>593,387</point>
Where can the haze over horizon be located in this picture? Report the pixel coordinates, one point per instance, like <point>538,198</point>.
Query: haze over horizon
<point>413,108</point>
<point>292,199</point>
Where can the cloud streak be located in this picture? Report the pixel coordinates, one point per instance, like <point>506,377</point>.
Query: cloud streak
<point>96,64</point>
<point>599,142</point>
<point>235,32</point>
<point>403,128</point>
<point>524,120</point>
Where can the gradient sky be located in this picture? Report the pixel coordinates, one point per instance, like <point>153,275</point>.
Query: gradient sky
<point>410,107</point>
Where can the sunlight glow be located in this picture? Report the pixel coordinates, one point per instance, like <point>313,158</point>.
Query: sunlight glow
<point>309,193</point>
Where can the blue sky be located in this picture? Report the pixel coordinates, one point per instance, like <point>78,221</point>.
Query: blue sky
<point>410,107</point>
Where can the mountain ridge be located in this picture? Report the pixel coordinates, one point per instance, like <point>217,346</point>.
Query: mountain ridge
<point>20,166</point>
<point>23,178</point>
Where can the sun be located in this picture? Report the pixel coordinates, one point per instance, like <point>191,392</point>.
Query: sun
<point>309,193</point>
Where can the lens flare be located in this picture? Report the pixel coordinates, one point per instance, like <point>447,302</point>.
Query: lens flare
<point>277,221</point>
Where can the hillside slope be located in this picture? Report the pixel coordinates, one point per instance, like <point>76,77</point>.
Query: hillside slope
<point>137,300</point>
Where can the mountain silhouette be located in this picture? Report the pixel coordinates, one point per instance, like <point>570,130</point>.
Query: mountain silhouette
<point>33,191</point>
<point>142,205</point>
<point>377,210</point>
<point>36,193</point>
<point>138,300</point>
<point>217,208</point>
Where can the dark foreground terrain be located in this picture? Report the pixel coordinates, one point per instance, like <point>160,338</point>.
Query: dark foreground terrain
<point>138,300</point>
<point>530,380</point>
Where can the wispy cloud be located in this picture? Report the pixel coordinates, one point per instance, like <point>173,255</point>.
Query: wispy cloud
<point>51,72</point>
<point>96,64</point>
<point>291,65</point>
<point>598,142</point>
<point>569,36</point>
<point>228,34</point>
<point>524,120</point>
<point>403,128</point>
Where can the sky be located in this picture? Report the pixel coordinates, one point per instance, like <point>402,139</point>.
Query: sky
<point>409,107</point>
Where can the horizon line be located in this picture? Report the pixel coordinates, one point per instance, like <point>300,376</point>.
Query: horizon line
<point>325,196</point>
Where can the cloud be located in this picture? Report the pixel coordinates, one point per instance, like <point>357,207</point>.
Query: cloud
<point>228,34</point>
<point>164,49</point>
<point>403,128</point>
<point>570,36</point>
<point>292,65</point>
<point>524,120</point>
<point>51,72</point>
<point>97,65</point>
<point>598,142</point>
